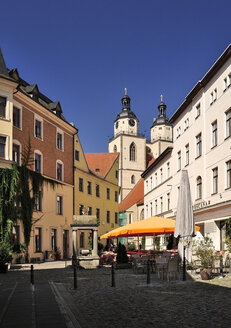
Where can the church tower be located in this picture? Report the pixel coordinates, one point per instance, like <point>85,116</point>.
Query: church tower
<point>131,146</point>
<point>161,132</point>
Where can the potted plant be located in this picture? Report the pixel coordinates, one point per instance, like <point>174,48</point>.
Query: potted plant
<point>207,255</point>
<point>122,258</point>
<point>57,254</point>
<point>6,251</point>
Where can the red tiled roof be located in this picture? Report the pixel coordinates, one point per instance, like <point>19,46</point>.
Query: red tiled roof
<point>136,196</point>
<point>149,159</point>
<point>100,163</point>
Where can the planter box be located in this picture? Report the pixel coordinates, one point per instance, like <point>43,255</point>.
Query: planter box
<point>123,265</point>
<point>206,274</point>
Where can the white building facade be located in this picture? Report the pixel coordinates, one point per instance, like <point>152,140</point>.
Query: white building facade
<point>202,146</point>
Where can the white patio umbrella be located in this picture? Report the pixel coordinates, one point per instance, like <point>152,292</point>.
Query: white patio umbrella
<point>185,224</point>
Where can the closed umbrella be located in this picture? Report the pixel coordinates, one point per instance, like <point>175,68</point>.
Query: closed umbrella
<point>185,224</point>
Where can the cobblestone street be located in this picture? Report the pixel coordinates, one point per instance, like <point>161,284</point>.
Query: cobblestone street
<point>132,303</point>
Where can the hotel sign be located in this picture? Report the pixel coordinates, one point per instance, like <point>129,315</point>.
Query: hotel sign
<point>203,204</point>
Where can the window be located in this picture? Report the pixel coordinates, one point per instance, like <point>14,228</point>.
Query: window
<point>116,218</point>
<point>81,209</point>
<point>214,134</point>
<point>225,84</point>
<point>89,191</point>
<point>108,193</point>
<point>213,96</point>
<point>116,196</point>
<point>198,111</point>
<point>228,174</point>
<point>115,149</point>
<point>228,123</point>
<point>155,206</point>
<point>132,152</point>
<point>161,204</point>
<point>199,188</point>
<point>2,107</point>
<point>186,124</point>
<point>38,239</point>
<point>168,201</point>
<point>161,175</point>
<point>198,145</point>
<point>146,210</point>
<point>151,208</point>
<point>16,154</point>
<point>98,215</point>
<point>59,205</point>
<point>81,242</point>
<point>130,218</point>
<point>81,184</point>
<point>132,179</point>
<point>151,183</point>
<point>2,147</point>
<point>38,129</point>
<point>38,163</point>
<point>53,239</point>
<point>89,210</point>
<point>168,170</point>
<point>146,185</point>
<point>179,161</point>
<point>156,179</point>
<point>215,180</point>
<point>108,216</point>
<point>59,141</point>
<point>38,201</point>
<point>77,155</point>
<point>16,117</point>
<point>187,155</point>
<point>116,174</point>
<point>97,191</point>
<point>59,173</point>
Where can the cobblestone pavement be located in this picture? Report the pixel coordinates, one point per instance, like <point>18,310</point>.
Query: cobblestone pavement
<point>132,303</point>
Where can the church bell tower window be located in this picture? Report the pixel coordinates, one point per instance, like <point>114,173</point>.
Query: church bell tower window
<point>132,152</point>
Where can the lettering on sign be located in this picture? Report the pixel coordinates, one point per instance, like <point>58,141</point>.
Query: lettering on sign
<point>201,205</point>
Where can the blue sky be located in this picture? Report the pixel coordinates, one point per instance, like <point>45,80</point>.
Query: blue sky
<point>84,53</point>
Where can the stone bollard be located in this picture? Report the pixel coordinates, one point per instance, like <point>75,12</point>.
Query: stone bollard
<point>32,277</point>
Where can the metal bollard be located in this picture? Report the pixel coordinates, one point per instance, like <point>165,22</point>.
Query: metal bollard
<point>221,264</point>
<point>32,277</point>
<point>148,272</point>
<point>112,275</point>
<point>75,276</point>
<point>184,265</point>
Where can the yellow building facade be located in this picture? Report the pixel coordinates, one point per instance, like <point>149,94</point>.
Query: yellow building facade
<point>96,189</point>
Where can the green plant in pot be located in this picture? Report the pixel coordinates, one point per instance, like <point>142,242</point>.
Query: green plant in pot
<point>207,255</point>
<point>6,251</point>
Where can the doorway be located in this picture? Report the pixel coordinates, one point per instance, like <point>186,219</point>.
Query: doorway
<point>65,244</point>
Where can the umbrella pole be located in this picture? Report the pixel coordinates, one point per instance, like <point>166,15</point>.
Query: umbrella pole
<point>127,242</point>
<point>138,243</point>
<point>184,263</point>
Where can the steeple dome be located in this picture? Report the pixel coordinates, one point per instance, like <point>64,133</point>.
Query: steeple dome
<point>162,118</point>
<point>126,109</point>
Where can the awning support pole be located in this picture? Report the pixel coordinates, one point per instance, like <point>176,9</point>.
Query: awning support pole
<point>154,241</point>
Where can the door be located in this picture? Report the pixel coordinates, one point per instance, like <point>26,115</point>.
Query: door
<point>65,244</point>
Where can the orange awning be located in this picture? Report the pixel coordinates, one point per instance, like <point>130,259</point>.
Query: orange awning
<point>148,227</point>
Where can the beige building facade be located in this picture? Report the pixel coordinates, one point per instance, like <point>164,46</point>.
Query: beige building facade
<point>202,146</point>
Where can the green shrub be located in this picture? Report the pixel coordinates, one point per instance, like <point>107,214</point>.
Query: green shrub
<point>205,252</point>
<point>122,254</point>
<point>6,251</point>
<point>131,247</point>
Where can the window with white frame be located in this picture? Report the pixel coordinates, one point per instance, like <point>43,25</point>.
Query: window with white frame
<point>59,205</point>
<point>16,153</point>
<point>38,201</point>
<point>187,155</point>
<point>179,161</point>
<point>214,134</point>
<point>17,117</point>
<point>198,110</point>
<point>215,180</point>
<point>59,139</point>
<point>199,188</point>
<point>168,170</point>
<point>198,145</point>
<point>3,147</point>
<point>228,123</point>
<point>156,181</point>
<point>132,152</point>
<point>213,96</point>
<point>133,179</point>
<point>38,127</point>
<point>161,204</point>
<point>228,174</point>
<point>168,201</point>
<point>2,107</point>
<point>59,170</point>
<point>225,84</point>
<point>38,161</point>
<point>156,207</point>
<point>161,175</point>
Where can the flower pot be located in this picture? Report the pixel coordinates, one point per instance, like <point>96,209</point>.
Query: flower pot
<point>206,274</point>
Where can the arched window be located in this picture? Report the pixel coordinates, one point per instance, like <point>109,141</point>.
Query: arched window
<point>115,149</point>
<point>132,152</point>
<point>133,179</point>
<point>199,187</point>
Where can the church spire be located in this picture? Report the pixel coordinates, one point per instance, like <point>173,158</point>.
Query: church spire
<point>126,101</point>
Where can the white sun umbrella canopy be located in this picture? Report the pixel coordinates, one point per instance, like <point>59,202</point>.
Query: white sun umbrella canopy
<point>185,224</point>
